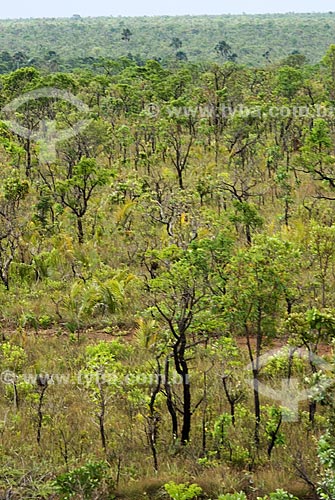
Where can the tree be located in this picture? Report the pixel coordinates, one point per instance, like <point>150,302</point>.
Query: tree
<point>75,188</point>
<point>30,114</point>
<point>317,155</point>
<point>52,60</point>
<point>176,144</point>
<point>20,59</point>
<point>261,278</point>
<point>229,356</point>
<point>319,254</point>
<point>224,50</point>
<point>181,56</point>
<point>126,34</point>
<point>181,297</point>
<point>289,81</point>
<point>176,43</point>
<point>13,222</point>
<point>42,384</point>
<point>329,63</point>
<point>103,376</point>
<point>295,60</point>
<point>266,55</point>
<point>309,330</point>
<point>14,358</point>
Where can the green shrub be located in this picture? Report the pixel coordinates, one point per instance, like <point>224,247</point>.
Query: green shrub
<point>279,495</point>
<point>233,496</point>
<point>82,481</point>
<point>326,452</point>
<point>182,491</point>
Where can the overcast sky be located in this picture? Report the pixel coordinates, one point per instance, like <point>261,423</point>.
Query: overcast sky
<point>66,8</point>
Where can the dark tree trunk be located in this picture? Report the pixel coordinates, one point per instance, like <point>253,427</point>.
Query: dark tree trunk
<point>169,401</point>
<point>257,408</point>
<point>186,429</point>
<point>248,234</point>
<point>80,230</point>
<point>43,384</point>
<point>232,399</point>
<point>255,374</point>
<point>153,419</point>
<point>312,411</point>
<point>180,178</point>
<point>182,370</point>
<point>273,436</point>
<point>16,396</point>
<point>28,151</point>
<point>102,429</point>
<point>101,417</point>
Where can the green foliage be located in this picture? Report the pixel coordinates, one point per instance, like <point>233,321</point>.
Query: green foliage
<point>83,481</point>
<point>289,81</point>
<point>326,453</point>
<point>57,46</point>
<point>278,365</point>
<point>279,495</point>
<point>182,491</point>
<point>189,219</point>
<point>13,356</point>
<point>96,298</point>
<point>252,275</point>
<point>14,188</point>
<point>247,213</point>
<point>274,418</point>
<point>221,428</point>
<point>233,496</point>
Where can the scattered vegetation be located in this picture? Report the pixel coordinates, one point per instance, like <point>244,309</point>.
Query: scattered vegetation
<point>167,280</point>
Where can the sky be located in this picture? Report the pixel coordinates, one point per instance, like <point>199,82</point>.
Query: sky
<point>66,8</point>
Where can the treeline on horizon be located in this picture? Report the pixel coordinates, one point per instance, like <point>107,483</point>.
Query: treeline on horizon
<point>67,44</point>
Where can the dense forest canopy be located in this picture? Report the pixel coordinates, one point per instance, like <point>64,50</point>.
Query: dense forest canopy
<point>69,43</point>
